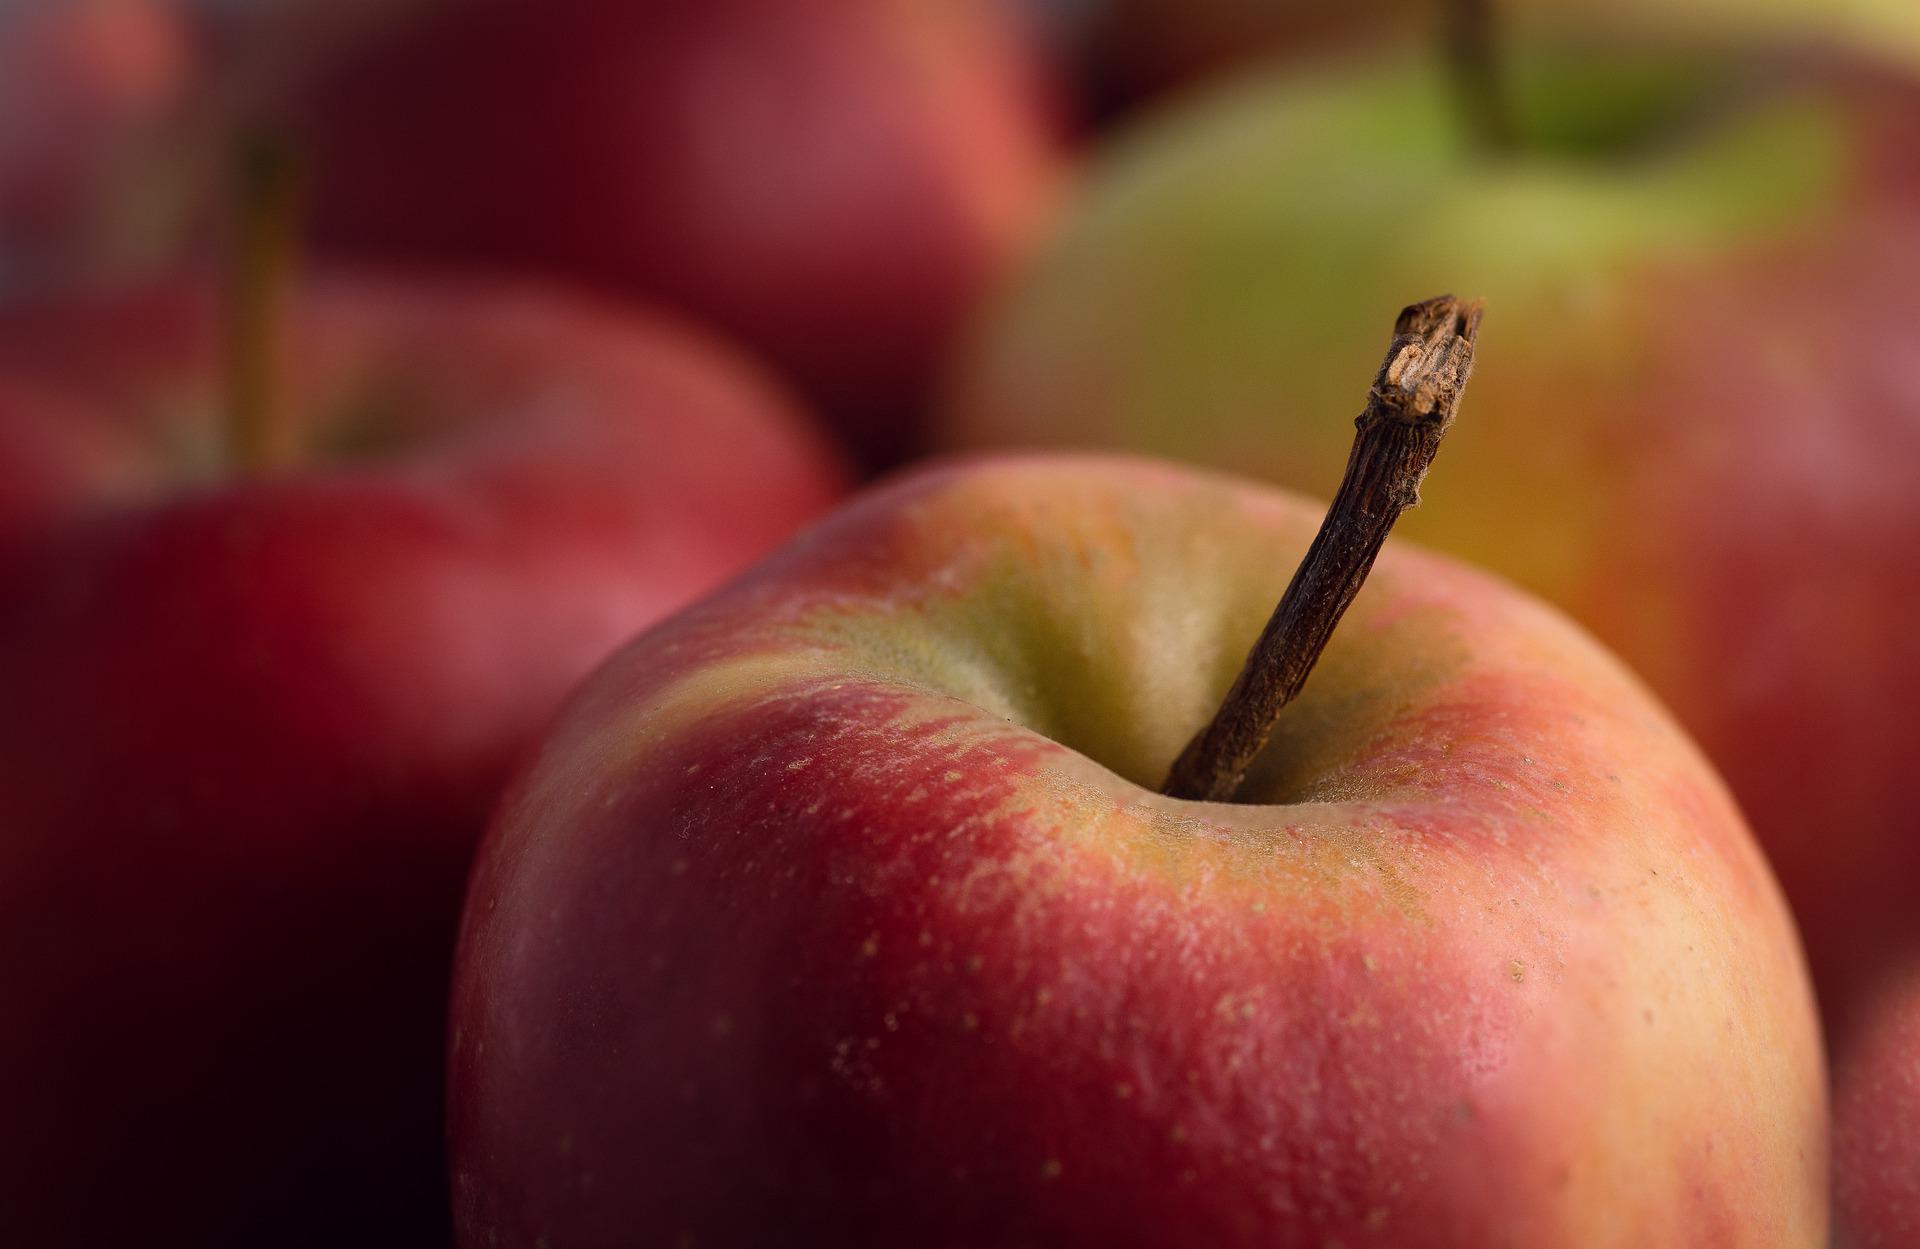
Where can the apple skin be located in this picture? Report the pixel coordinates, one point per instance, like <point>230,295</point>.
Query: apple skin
<point>1876,1089</point>
<point>1714,484</point>
<point>253,728</point>
<point>834,182</point>
<point>837,910</point>
<point>1765,584</point>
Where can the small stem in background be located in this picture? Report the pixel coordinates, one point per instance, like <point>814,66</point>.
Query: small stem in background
<point>267,197</point>
<point>1473,56</point>
<point>1409,409</point>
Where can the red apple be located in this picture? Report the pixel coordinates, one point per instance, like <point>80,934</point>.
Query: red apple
<point>57,458</point>
<point>842,909</point>
<point>1877,1120</point>
<point>836,182</point>
<point>88,88</point>
<point>252,727</point>
<point>1719,313</point>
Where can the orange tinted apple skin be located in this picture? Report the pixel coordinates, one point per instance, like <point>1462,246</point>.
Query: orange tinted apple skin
<point>252,728</point>
<point>799,931</point>
<point>833,181</point>
<point>1758,571</point>
<point>1877,1120</point>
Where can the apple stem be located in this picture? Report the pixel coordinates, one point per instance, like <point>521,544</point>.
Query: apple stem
<point>259,270</point>
<point>1473,57</point>
<point>1409,409</point>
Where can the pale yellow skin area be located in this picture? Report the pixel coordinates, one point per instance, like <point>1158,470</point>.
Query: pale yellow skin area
<point>1470,794</point>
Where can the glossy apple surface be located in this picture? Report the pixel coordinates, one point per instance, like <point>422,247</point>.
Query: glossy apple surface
<point>835,182</point>
<point>253,727</point>
<point>839,910</point>
<point>1703,273</point>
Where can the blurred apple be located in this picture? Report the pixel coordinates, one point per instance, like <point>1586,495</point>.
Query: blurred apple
<point>1128,50</point>
<point>843,909</point>
<point>88,92</point>
<point>1877,1121</point>
<point>56,459</point>
<point>1708,281</point>
<point>253,723</point>
<point>1123,52</point>
<point>836,182</point>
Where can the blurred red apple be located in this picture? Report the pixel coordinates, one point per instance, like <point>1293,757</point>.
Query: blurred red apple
<point>253,725</point>
<point>88,90</point>
<point>1877,1121</point>
<point>836,182</point>
<point>56,459</point>
<point>841,909</point>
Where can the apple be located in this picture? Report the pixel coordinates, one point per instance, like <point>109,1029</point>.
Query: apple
<point>88,92</point>
<point>834,182</point>
<point>843,908</point>
<point>1705,268</point>
<point>1131,50</point>
<point>254,723</point>
<point>1877,1120</point>
<point>56,459</point>
<point>1121,53</point>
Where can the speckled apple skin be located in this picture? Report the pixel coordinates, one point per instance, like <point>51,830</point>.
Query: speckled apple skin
<point>1693,424</point>
<point>251,730</point>
<point>1876,1129</point>
<point>840,910</point>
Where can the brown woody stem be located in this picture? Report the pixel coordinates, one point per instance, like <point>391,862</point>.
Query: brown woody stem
<point>259,269</point>
<point>1409,409</point>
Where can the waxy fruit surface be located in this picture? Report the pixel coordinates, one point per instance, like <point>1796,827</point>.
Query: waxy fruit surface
<point>841,909</point>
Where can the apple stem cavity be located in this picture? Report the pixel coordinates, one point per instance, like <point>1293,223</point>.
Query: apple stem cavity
<point>1474,60</point>
<point>1409,409</point>
<point>267,198</point>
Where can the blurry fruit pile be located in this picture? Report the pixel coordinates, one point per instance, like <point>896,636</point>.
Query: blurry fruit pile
<point>483,766</point>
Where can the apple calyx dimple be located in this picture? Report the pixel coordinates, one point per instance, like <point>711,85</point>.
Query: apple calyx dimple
<point>1410,407</point>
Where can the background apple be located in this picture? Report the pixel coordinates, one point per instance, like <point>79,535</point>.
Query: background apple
<point>253,726</point>
<point>1877,1121</point>
<point>836,182</point>
<point>89,92</point>
<point>1127,51</point>
<point>1706,270</point>
<point>56,459</point>
<point>838,909</point>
